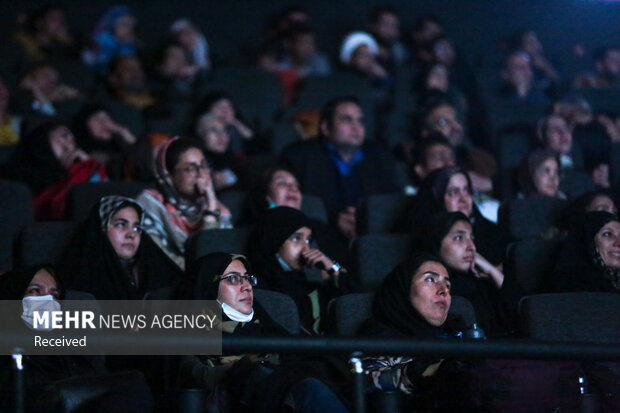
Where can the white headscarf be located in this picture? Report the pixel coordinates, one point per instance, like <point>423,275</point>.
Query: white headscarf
<point>355,40</point>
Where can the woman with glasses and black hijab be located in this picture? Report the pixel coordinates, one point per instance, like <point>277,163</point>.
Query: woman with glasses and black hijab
<point>185,199</point>
<point>111,258</point>
<point>256,382</point>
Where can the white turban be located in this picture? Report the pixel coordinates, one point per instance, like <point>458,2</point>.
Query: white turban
<point>355,40</point>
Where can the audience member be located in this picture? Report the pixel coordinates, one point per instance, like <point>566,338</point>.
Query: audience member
<point>544,72</point>
<point>384,26</point>
<point>341,167</point>
<point>193,41</point>
<point>518,80</point>
<point>175,75</point>
<point>126,83</point>
<point>111,258</point>
<point>49,162</point>
<point>185,199</point>
<point>607,70</point>
<point>358,54</point>
<point>590,257</point>
<point>42,91</point>
<point>539,174</point>
<point>301,55</point>
<point>494,296</point>
<point>432,153</point>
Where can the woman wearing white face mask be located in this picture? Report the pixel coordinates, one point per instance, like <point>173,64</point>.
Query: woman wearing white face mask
<point>39,286</point>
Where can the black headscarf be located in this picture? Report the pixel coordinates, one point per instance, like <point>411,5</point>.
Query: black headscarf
<point>14,283</point>
<point>90,263</point>
<point>34,162</point>
<point>392,306</point>
<point>200,282</point>
<point>579,266</point>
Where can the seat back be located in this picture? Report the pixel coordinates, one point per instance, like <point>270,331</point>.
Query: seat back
<point>530,217</point>
<point>374,256</point>
<point>44,242</point>
<point>82,197</point>
<point>281,308</point>
<point>576,183</point>
<point>531,262</point>
<point>235,241</point>
<point>380,213</point>
<point>571,317</point>
<point>348,312</point>
<point>15,213</point>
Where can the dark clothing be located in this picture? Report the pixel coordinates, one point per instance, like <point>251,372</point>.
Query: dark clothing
<point>594,142</point>
<point>579,266</point>
<point>319,175</point>
<point>90,264</point>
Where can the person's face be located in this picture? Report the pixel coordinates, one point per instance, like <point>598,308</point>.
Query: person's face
<point>303,47</point>
<point>240,296</point>
<point>547,178</point>
<point>429,30</point>
<point>444,120</point>
<point>430,292</point>
<point>123,29</point>
<point>559,135</point>
<point>347,126</point>
<point>458,195</point>
<point>284,190</point>
<point>54,23</point>
<point>215,137</point>
<point>518,70</point>
<point>188,37</point>
<point>128,74</point>
<point>607,243</point>
<point>100,125</point>
<point>191,167</point>
<point>46,78</point>
<point>387,27</point>
<point>444,52</point>
<point>437,157</point>
<point>438,78</point>
<point>61,141</point>
<point>298,242</point>
<point>602,203</point>
<point>223,109</point>
<point>174,61</point>
<point>124,232</point>
<point>611,63</point>
<point>361,58</point>
<point>42,284</point>
<point>458,250</point>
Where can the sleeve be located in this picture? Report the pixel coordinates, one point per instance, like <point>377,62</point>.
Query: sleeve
<point>397,373</point>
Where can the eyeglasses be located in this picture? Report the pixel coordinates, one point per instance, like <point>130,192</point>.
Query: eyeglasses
<point>193,169</point>
<point>236,278</point>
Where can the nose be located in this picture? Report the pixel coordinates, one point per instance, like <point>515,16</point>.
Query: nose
<point>470,245</point>
<point>442,289</point>
<point>245,285</point>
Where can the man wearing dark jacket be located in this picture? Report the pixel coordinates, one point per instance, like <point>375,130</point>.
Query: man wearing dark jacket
<point>339,166</point>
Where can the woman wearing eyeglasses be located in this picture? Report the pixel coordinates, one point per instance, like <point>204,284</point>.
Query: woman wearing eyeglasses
<point>111,258</point>
<point>256,382</point>
<point>185,199</point>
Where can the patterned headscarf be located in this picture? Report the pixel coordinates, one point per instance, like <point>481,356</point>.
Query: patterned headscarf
<point>110,205</point>
<point>192,211</point>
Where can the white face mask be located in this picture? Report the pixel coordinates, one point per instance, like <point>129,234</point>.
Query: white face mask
<point>236,315</point>
<point>41,304</point>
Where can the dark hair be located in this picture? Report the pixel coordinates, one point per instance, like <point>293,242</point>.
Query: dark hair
<point>439,226</point>
<point>329,108</point>
<point>528,166</point>
<point>432,103</point>
<point>423,145</point>
<point>541,128</point>
<point>422,20</point>
<point>177,149</point>
<point>210,99</point>
<point>437,182</point>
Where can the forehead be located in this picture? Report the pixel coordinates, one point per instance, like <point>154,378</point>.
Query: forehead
<point>443,111</point>
<point>235,266</point>
<point>43,277</point>
<point>348,109</point>
<point>461,226</point>
<point>612,225</point>
<point>458,180</point>
<point>556,121</point>
<point>129,213</point>
<point>279,175</point>
<point>430,266</point>
<point>303,230</point>
<point>192,155</point>
<point>438,147</point>
<point>549,163</point>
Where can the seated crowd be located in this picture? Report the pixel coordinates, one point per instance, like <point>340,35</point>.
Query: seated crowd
<point>457,174</point>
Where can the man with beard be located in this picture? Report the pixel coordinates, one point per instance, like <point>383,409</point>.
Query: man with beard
<point>340,166</point>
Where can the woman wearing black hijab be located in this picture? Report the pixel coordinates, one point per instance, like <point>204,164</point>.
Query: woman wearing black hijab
<point>111,258</point>
<point>590,257</point>
<point>450,189</point>
<point>494,296</point>
<point>286,262</point>
<point>47,376</point>
<point>260,382</point>
<point>412,302</point>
